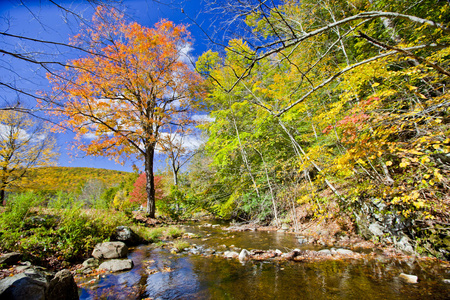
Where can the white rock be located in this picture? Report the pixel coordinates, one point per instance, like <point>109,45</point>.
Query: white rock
<point>408,278</point>
<point>244,255</point>
<point>231,254</point>
<point>344,251</point>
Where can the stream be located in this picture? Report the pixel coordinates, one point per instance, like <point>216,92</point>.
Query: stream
<point>203,273</point>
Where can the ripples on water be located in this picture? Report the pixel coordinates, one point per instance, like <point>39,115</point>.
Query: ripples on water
<point>159,274</point>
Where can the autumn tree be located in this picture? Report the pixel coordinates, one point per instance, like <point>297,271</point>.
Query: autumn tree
<point>24,144</point>
<point>139,193</point>
<point>125,98</point>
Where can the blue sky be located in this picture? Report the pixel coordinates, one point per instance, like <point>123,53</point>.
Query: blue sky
<point>43,20</point>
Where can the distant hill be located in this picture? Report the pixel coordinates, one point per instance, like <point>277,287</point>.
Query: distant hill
<point>67,179</point>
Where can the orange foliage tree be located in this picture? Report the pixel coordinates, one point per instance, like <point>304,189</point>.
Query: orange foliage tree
<point>139,194</point>
<point>134,85</point>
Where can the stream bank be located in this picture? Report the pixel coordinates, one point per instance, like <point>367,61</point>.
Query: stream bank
<point>203,271</point>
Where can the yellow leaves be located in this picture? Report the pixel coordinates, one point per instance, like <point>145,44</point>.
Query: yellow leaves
<point>389,163</point>
<point>404,164</point>
<point>437,176</point>
<point>425,159</point>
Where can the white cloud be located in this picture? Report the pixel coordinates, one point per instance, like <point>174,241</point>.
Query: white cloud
<point>5,132</point>
<point>202,118</point>
<point>185,55</point>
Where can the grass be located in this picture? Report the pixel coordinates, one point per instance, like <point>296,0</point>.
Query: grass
<point>63,234</point>
<point>63,231</point>
<point>180,245</point>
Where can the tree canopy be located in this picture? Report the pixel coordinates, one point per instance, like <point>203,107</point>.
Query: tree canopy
<point>123,99</point>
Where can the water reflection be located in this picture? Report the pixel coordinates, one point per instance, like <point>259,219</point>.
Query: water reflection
<point>159,274</point>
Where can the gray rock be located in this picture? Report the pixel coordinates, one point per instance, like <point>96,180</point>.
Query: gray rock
<point>30,285</point>
<point>110,250</point>
<point>116,265</point>
<point>91,263</point>
<point>231,254</point>
<point>376,229</point>
<point>408,278</point>
<point>302,241</point>
<point>446,281</point>
<point>10,258</point>
<point>62,286</point>
<point>215,225</point>
<point>285,226</point>
<point>244,255</point>
<point>324,252</point>
<point>405,245</point>
<point>126,235</point>
<point>344,251</point>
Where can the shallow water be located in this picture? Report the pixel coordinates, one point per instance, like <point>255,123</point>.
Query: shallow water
<point>159,274</point>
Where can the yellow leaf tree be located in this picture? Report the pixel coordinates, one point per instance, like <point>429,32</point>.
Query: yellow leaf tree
<point>24,144</point>
<point>135,85</point>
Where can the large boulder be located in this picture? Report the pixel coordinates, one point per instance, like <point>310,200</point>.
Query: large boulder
<point>110,250</point>
<point>116,265</point>
<point>30,285</point>
<point>126,235</point>
<point>63,286</point>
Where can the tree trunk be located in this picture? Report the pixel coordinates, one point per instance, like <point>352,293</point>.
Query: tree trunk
<point>175,170</point>
<point>150,186</point>
<point>2,197</point>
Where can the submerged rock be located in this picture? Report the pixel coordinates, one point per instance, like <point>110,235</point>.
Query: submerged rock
<point>408,278</point>
<point>116,265</point>
<point>110,250</point>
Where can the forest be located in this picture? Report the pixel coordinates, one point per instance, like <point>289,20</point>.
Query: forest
<point>325,111</point>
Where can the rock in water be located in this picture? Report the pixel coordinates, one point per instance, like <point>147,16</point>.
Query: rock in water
<point>324,252</point>
<point>110,250</point>
<point>91,263</point>
<point>30,285</point>
<point>244,255</point>
<point>62,286</point>
<point>344,251</point>
<point>408,278</point>
<point>231,254</point>
<point>116,265</point>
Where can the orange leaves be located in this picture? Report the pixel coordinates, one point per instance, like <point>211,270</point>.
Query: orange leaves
<point>133,84</point>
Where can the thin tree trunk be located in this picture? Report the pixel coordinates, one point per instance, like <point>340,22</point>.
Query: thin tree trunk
<point>175,170</point>
<point>275,210</point>
<point>313,163</point>
<point>244,158</point>
<point>150,186</point>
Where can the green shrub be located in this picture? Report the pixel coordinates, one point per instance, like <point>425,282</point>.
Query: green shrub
<point>18,207</point>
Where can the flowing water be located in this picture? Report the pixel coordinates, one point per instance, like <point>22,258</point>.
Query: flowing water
<point>160,274</point>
